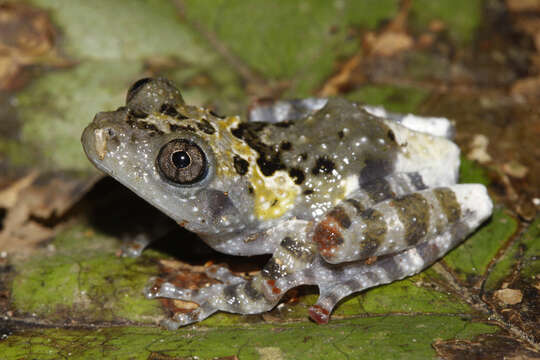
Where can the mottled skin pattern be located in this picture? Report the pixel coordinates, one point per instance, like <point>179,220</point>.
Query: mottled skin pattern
<point>341,197</point>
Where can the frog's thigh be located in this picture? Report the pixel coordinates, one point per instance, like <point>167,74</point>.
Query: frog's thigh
<point>353,277</point>
<point>391,186</point>
<point>343,280</point>
<point>347,234</point>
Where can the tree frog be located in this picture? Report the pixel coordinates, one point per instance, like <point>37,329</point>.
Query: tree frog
<point>343,196</point>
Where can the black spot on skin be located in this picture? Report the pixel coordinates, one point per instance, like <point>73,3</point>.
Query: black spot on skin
<point>286,146</point>
<point>250,190</point>
<point>251,292</point>
<point>137,114</point>
<point>341,216</point>
<point>283,124</point>
<point>273,270</point>
<point>391,135</point>
<point>417,181</point>
<point>375,169</point>
<point>341,134</point>
<point>374,232</point>
<point>378,190</point>
<point>175,128</point>
<point>308,192</point>
<point>240,165</point>
<point>413,211</point>
<point>216,115</point>
<point>269,159</point>
<point>297,175</point>
<point>356,205</point>
<point>168,109</point>
<point>303,156</point>
<point>274,203</point>
<point>145,126</point>
<point>206,127</point>
<point>231,296</point>
<point>448,203</point>
<point>323,166</point>
<point>294,248</point>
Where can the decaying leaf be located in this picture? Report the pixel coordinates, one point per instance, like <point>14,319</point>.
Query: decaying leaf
<point>34,202</point>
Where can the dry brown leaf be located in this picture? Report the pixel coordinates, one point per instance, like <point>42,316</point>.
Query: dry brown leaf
<point>523,5</point>
<point>388,43</point>
<point>509,296</point>
<point>343,77</point>
<point>479,147</point>
<point>515,169</point>
<point>34,199</point>
<point>528,88</point>
<point>27,37</point>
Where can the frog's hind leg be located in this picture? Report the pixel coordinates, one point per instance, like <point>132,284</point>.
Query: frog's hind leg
<point>355,277</point>
<point>416,243</point>
<point>346,234</point>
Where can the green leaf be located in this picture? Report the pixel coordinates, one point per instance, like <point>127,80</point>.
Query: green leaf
<point>382,337</point>
<point>472,258</point>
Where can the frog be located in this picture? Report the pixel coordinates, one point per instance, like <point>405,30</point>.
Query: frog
<point>340,195</point>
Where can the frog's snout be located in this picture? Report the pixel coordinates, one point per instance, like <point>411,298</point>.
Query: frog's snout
<point>100,137</point>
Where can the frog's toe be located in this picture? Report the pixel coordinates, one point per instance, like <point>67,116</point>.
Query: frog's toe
<point>134,247</point>
<point>223,274</point>
<point>319,314</point>
<point>182,319</point>
<point>330,296</point>
<point>163,289</point>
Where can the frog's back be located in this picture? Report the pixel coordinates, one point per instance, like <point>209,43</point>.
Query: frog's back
<point>330,153</point>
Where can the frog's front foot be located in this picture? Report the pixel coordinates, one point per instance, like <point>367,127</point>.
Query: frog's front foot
<point>233,294</point>
<point>133,247</point>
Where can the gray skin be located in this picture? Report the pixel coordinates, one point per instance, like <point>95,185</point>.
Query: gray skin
<point>323,185</point>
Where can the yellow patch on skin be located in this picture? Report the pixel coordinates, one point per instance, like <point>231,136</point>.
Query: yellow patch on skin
<point>225,125</point>
<point>273,195</point>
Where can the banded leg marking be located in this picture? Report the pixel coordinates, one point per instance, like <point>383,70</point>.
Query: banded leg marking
<point>392,225</point>
<point>345,279</point>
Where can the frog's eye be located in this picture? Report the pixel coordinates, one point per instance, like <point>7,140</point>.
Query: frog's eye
<point>148,96</point>
<point>182,162</point>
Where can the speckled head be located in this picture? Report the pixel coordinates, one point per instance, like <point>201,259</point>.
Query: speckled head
<point>170,154</point>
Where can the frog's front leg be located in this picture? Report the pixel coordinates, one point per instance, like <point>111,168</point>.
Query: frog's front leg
<point>295,252</point>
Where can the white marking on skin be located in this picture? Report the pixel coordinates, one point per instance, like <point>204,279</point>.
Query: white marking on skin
<point>415,259</point>
<point>350,184</point>
<point>100,143</point>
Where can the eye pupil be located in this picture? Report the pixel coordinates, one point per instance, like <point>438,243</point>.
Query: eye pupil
<point>181,159</point>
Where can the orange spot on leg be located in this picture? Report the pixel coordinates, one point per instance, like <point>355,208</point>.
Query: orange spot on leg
<point>319,314</point>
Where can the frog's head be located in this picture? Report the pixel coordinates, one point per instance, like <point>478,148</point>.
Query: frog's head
<point>179,158</point>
